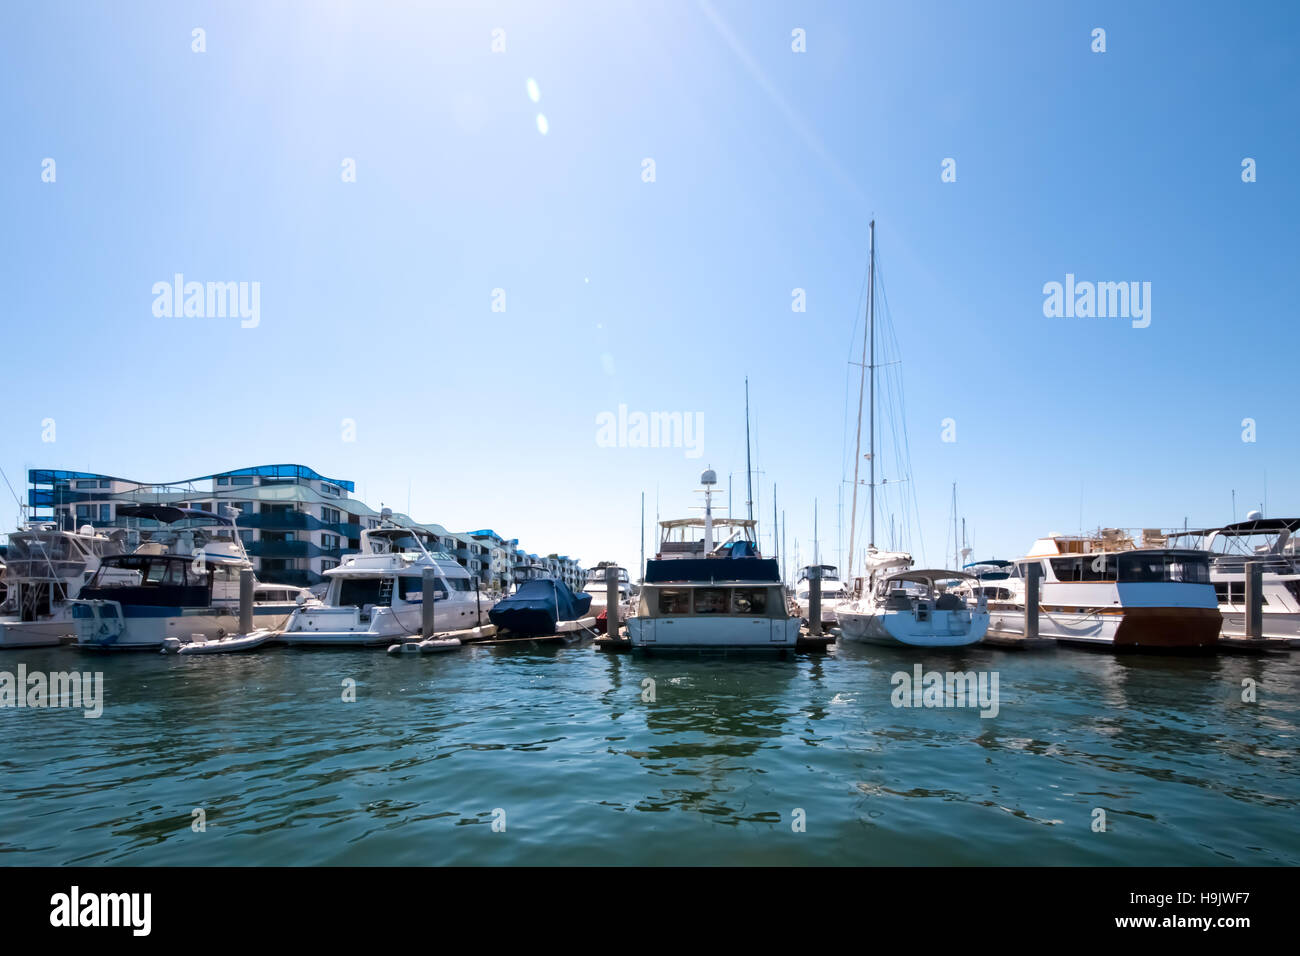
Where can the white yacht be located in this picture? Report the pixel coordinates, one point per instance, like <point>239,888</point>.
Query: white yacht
<point>598,588</point>
<point>1270,542</point>
<point>45,569</point>
<point>180,584</point>
<point>375,597</point>
<point>1102,590</point>
<point>897,604</point>
<point>700,596</point>
<point>834,592</point>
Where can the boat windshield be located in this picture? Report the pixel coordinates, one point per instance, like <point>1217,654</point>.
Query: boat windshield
<point>1185,568</point>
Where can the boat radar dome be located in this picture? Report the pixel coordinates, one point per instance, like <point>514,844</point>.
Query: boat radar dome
<point>709,477</point>
<point>386,514</point>
<point>1253,516</point>
<point>88,530</point>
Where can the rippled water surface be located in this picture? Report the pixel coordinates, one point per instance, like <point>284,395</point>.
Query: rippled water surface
<point>714,770</point>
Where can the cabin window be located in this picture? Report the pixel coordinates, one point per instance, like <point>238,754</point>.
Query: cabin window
<point>1181,568</point>
<point>411,588</point>
<point>359,591</point>
<point>1233,592</point>
<point>674,601</point>
<point>711,600</point>
<point>749,601</point>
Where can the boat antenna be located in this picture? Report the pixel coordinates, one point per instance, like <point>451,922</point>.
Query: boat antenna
<point>776,551</point>
<point>857,447</point>
<point>749,473</point>
<point>708,480</point>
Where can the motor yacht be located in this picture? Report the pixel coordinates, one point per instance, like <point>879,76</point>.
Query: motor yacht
<point>1103,590</point>
<point>1271,544</point>
<point>180,584</point>
<point>375,597</point>
<point>698,595</point>
<point>45,569</point>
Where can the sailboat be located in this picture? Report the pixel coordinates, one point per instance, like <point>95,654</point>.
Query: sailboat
<point>894,603</point>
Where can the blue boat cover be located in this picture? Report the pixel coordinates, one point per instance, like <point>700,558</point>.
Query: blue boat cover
<point>534,609</point>
<point>712,570</point>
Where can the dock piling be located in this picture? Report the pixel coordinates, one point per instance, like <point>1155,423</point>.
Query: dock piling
<point>1254,601</point>
<point>428,585</point>
<point>815,601</point>
<point>611,600</point>
<point>245,600</point>
<point>1033,587</point>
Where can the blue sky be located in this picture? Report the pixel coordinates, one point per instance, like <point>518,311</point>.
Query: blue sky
<point>376,294</point>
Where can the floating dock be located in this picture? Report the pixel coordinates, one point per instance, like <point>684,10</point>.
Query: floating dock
<point>1017,642</point>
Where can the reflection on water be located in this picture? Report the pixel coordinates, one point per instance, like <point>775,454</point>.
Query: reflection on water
<point>714,769</point>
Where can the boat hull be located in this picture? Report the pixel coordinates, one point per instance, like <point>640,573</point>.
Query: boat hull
<point>17,635</point>
<point>723,632</point>
<point>903,628</point>
<point>144,628</point>
<point>1128,629</point>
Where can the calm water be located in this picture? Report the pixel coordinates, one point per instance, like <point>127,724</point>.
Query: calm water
<point>710,772</point>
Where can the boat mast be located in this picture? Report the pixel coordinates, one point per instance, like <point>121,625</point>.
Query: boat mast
<point>776,551</point>
<point>871,327</point>
<point>857,447</point>
<point>749,471</point>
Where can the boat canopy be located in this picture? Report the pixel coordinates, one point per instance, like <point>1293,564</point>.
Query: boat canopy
<point>712,570</point>
<point>1242,528</point>
<point>170,514</point>
<point>927,576</point>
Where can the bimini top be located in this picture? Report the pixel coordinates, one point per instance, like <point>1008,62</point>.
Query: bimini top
<point>712,570</point>
<point>716,522</point>
<point>169,514</point>
<point>927,576</point>
<point>1258,526</point>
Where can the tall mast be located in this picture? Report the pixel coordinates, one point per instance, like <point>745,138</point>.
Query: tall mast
<point>871,325</point>
<point>641,569</point>
<point>816,553</point>
<point>749,472</point>
<point>857,446</point>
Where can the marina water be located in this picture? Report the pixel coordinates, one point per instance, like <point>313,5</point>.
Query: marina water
<point>552,756</point>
